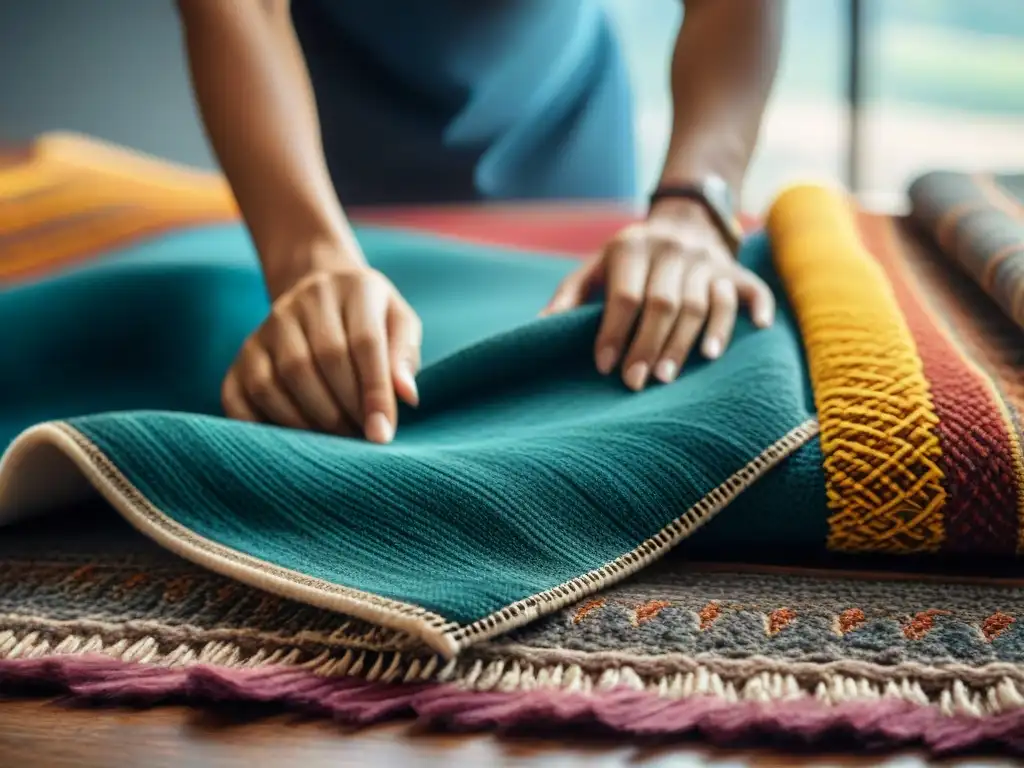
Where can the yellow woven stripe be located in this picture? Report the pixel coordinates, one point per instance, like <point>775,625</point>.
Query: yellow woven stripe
<point>931,304</point>
<point>878,425</point>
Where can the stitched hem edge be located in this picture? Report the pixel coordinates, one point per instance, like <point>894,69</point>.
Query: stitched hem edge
<point>106,478</point>
<point>446,637</point>
<point>528,609</point>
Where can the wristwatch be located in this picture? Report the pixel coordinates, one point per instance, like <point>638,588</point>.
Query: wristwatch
<point>714,194</point>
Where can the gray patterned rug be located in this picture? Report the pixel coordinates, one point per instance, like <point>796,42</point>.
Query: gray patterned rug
<point>89,607</point>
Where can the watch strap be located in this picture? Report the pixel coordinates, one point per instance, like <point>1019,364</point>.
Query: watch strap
<point>718,207</point>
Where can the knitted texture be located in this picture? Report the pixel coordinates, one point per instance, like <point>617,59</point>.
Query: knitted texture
<point>475,562</point>
<point>953,369</point>
<point>981,452</point>
<point>525,481</point>
<point>975,223</point>
<point>878,422</point>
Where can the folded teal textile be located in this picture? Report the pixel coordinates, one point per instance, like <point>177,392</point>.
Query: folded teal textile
<point>524,481</point>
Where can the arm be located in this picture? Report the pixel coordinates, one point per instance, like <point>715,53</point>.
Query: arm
<point>257,104</point>
<point>671,277</point>
<point>340,341</point>
<point>723,68</point>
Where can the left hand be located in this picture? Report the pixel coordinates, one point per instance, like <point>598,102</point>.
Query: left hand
<point>672,277</point>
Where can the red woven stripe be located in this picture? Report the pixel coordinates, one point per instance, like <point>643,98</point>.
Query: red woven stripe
<point>981,510</point>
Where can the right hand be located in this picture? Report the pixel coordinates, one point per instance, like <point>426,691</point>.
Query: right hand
<point>336,349</point>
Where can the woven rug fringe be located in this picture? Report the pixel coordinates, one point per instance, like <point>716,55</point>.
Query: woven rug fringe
<point>874,724</point>
<point>975,693</point>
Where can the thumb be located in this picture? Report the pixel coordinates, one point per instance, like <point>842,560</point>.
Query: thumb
<point>405,335</point>
<point>571,292</point>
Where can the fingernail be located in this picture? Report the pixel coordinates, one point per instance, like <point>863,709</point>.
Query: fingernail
<point>636,376</point>
<point>378,429</point>
<point>763,319</point>
<point>666,371</point>
<point>606,360</point>
<point>712,349</point>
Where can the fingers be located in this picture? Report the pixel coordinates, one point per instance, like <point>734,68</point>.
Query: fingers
<point>755,294</point>
<point>298,371</point>
<point>365,316</point>
<point>323,360</point>
<point>627,268</point>
<point>657,319</point>
<point>264,391</point>
<point>322,323</point>
<point>572,291</point>
<point>721,317</point>
<point>405,336</point>
<point>685,292</point>
<point>693,312</point>
<point>233,398</point>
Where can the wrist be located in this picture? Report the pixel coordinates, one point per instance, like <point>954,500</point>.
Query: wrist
<point>675,210</point>
<point>696,154</point>
<point>706,202</point>
<point>287,260</point>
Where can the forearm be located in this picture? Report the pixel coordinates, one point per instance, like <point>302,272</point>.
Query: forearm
<point>723,67</point>
<point>257,104</point>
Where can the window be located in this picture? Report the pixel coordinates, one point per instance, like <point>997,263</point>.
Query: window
<point>943,88</point>
<point>805,127</point>
<point>942,85</point>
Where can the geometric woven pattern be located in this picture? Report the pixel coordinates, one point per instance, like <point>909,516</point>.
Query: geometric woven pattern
<point>725,653</point>
<point>919,450</point>
<point>879,431</point>
<point>975,225</point>
<point>953,323</point>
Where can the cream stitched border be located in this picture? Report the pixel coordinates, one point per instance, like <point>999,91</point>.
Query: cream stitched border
<point>525,611</point>
<point>105,477</point>
<point>446,637</point>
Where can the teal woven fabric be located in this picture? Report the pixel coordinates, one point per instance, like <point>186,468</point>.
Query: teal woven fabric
<point>522,470</point>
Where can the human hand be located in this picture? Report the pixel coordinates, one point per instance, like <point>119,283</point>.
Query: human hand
<point>333,353</point>
<point>671,277</point>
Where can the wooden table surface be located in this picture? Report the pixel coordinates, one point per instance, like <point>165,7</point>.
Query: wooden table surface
<point>44,734</point>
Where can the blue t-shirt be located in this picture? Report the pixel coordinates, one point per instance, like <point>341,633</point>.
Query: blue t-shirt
<point>456,100</point>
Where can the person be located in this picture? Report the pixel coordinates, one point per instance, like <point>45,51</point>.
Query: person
<point>312,104</point>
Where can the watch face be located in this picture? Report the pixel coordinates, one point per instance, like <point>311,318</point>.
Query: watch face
<point>718,195</point>
<point>717,191</point>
